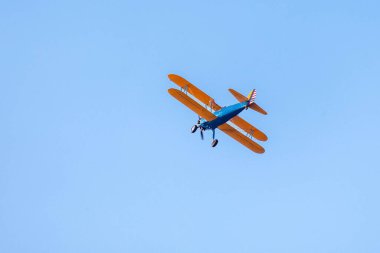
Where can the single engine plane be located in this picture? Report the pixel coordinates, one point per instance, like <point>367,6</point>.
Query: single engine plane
<point>212,116</point>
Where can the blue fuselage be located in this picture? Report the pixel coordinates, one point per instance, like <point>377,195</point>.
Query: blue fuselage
<point>224,115</point>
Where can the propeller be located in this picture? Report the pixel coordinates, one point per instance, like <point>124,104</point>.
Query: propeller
<point>200,127</point>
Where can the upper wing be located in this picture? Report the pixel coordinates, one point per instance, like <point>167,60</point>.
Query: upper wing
<point>193,90</point>
<point>244,125</point>
<point>194,106</point>
<point>241,138</point>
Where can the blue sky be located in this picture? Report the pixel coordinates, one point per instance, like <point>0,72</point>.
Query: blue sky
<point>96,156</point>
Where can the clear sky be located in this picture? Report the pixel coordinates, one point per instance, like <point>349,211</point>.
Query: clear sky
<point>96,156</point>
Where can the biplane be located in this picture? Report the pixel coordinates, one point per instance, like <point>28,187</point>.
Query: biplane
<point>212,116</point>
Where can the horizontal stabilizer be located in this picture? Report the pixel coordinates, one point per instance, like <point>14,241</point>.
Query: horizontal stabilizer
<point>257,108</point>
<point>242,98</point>
<point>238,96</point>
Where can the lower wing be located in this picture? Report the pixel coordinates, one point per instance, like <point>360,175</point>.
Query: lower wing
<point>238,136</point>
<point>193,90</point>
<point>191,104</point>
<point>244,125</point>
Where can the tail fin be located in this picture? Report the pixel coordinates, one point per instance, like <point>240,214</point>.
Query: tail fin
<point>251,97</point>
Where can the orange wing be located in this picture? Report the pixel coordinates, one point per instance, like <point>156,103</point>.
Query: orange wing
<point>193,90</point>
<point>241,138</point>
<point>193,105</point>
<point>244,125</point>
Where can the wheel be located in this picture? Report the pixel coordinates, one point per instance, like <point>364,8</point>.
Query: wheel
<point>194,128</point>
<point>214,143</point>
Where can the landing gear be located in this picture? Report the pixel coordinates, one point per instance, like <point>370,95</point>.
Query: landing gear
<point>201,129</point>
<point>214,141</point>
